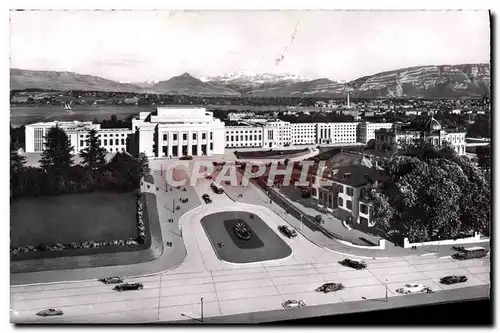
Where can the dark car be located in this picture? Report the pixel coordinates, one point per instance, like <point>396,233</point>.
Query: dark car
<point>111,280</point>
<point>353,263</point>
<point>453,279</point>
<point>128,286</point>
<point>50,312</point>
<point>287,231</point>
<point>329,287</point>
<point>206,198</point>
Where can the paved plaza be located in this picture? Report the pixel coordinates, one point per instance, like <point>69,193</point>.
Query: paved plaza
<point>229,289</point>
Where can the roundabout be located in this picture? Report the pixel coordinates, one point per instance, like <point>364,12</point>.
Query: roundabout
<point>256,243</point>
<point>173,288</point>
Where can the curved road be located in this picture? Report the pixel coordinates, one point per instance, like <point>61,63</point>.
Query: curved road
<point>230,289</point>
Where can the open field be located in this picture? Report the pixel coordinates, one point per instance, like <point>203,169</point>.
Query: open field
<point>73,218</point>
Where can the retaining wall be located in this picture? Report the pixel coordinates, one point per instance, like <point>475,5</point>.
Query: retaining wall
<point>474,239</point>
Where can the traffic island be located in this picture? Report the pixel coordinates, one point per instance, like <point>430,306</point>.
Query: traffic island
<point>232,246</point>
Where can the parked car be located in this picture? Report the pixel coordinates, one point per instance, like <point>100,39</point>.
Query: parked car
<point>329,287</point>
<point>287,231</point>
<point>186,157</point>
<point>353,263</point>
<point>111,280</point>
<point>411,288</point>
<point>50,312</point>
<point>293,304</point>
<point>471,253</point>
<point>128,286</point>
<point>206,198</point>
<point>452,279</point>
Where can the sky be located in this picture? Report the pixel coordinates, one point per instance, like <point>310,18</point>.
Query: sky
<point>137,46</point>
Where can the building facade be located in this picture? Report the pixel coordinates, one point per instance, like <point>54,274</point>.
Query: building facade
<point>422,127</point>
<point>366,130</point>
<point>303,133</point>
<point>343,185</point>
<point>112,139</point>
<point>244,136</point>
<point>335,133</point>
<point>177,131</point>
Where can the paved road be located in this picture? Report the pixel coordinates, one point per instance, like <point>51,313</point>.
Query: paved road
<point>440,297</point>
<point>230,289</point>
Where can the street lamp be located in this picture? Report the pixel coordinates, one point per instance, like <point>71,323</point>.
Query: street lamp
<point>301,222</point>
<point>386,296</point>
<point>202,309</point>
<point>173,205</point>
<point>439,241</point>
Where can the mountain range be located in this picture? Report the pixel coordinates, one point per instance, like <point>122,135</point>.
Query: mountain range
<point>446,81</point>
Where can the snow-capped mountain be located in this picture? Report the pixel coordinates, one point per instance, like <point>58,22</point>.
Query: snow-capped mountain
<point>144,84</point>
<point>256,78</point>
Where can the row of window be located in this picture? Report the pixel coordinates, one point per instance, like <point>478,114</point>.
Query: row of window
<point>246,137</point>
<point>243,144</point>
<point>184,136</point>
<point>84,143</point>
<point>241,131</point>
<point>105,135</point>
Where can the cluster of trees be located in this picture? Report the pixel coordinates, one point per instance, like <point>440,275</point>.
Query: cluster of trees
<point>58,173</point>
<point>432,194</point>
<point>316,117</point>
<point>481,128</point>
<point>114,122</point>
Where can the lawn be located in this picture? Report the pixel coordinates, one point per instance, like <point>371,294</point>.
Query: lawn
<point>73,218</point>
<point>264,245</point>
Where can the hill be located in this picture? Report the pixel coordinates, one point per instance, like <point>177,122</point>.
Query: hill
<point>447,81</point>
<point>63,81</point>
<point>185,84</point>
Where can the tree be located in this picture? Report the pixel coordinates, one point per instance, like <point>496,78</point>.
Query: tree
<point>94,156</point>
<point>381,212</point>
<point>56,158</point>
<point>435,194</point>
<point>484,157</point>
<point>144,165</point>
<point>17,162</point>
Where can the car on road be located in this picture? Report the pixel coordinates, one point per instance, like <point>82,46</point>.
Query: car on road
<point>293,304</point>
<point>412,288</point>
<point>329,287</point>
<point>287,231</point>
<point>353,263</point>
<point>128,286</point>
<point>452,279</point>
<point>111,280</point>
<point>50,312</point>
<point>206,198</point>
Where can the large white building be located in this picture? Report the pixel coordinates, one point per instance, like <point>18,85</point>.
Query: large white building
<point>335,133</point>
<point>112,139</point>
<point>178,131</point>
<point>367,130</point>
<point>244,136</point>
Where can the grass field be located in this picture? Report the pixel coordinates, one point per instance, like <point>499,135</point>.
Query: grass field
<point>73,218</point>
